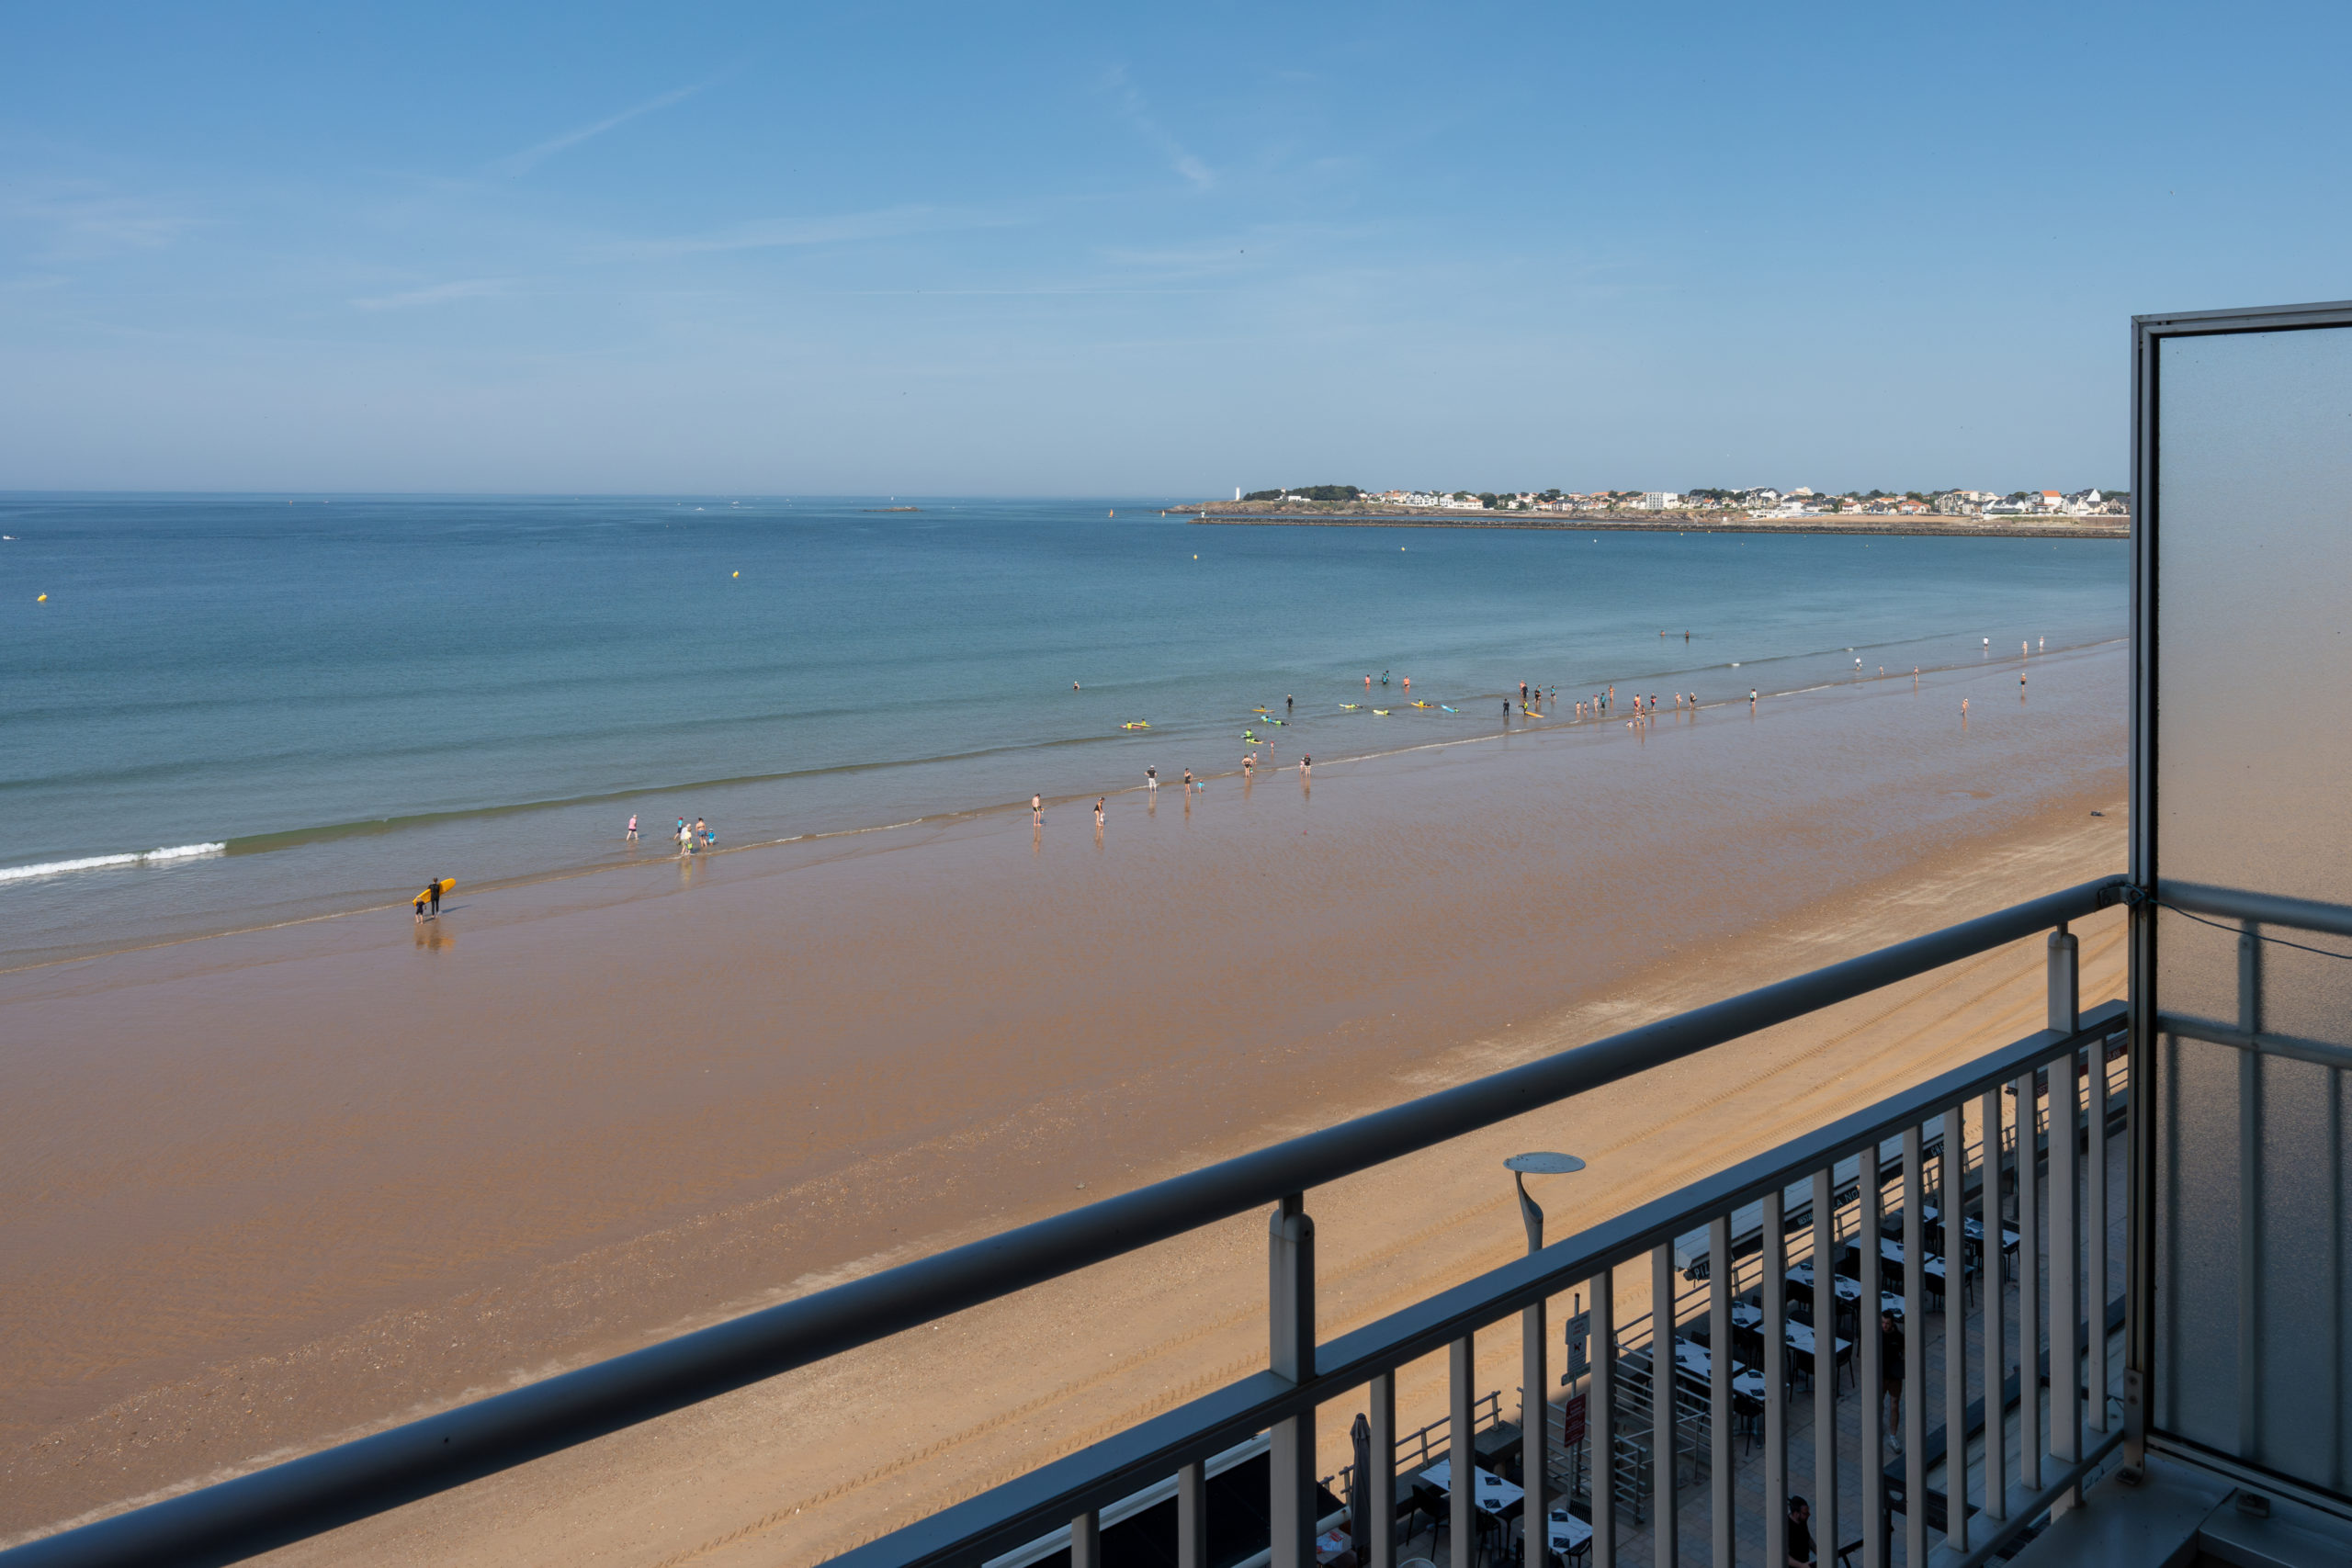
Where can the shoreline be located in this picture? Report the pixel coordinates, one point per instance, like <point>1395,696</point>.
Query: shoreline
<point>1880,528</point>
<point>579,1116</point>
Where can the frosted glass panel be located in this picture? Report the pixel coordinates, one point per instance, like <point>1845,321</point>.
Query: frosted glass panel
<point>2254,612</point>
<point>2253,774</point>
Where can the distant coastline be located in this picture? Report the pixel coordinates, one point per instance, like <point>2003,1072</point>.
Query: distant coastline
<point>1267,514</point>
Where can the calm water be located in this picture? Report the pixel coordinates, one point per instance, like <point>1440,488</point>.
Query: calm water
<point>318,704</point>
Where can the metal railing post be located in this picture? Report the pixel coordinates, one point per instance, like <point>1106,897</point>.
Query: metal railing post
<point>1534,1435</point>
<point>1995,1316</point>
<point>1776,1365</point>
<point>1461,1512</point>
<point>2249,1238</point>
<point>2065,1269</point>
<point>1086,1541</point>
<point>1381,1484</point>
<point>1952,1209</point>
<point>2095,1239</point>
<point>1719,1409</point>
<point>1192,1517</point>
<point>1600,1421</point>
<point>2029,1286</point>
<point>1867,1236</point>
<point>2065,998</point>
<point>1666,1504</point>
<point>1825,1332</point>
<point>1914,1350</point>
<point>1289,1299</point>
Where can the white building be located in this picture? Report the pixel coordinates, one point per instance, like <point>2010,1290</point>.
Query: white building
<point>1660,500</point>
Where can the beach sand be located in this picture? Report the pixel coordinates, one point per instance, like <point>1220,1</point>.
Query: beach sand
<point>271,1190</point>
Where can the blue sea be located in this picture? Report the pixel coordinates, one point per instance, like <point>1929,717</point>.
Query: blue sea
<point>234,711</point>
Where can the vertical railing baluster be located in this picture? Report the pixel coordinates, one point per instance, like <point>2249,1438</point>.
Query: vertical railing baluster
<point>1825,1388</point>
<point>1193,1517</point>
<point>1718,1410</point>
<point>1086,1541</point>
<point>1915,1349</point>
<point>1952,1208</point>
<point>2095,1238</point>
<point>1381,1484</point>
<point>1534,1436</point>
<point>1867,1236</point>
<point>2065,1385</point>
<point>1290,1295</point>
<point>1600,1421</point>
<point>1665,1488</point>
<point>1776,1367</point>
<point>2028,1288</point>
<point>1994,1318</point>
<point>1462,1457</point>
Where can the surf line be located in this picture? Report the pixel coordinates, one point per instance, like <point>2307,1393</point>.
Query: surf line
<point>110,863</point>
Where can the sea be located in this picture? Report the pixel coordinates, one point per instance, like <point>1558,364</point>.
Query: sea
<point>229,712</point>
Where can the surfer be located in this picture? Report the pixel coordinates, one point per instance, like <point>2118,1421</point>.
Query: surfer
<point>435,891</point>
<point>1289,703</point>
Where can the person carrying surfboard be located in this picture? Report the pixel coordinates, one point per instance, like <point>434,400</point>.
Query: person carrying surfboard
<point>438,882</point>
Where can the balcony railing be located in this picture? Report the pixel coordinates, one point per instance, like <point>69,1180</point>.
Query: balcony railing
<point>1908,1174</point>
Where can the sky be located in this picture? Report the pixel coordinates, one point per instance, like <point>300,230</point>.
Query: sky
<point>1058,250</point>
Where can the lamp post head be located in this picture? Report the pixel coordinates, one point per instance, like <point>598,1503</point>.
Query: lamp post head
<point>1521,1166</point>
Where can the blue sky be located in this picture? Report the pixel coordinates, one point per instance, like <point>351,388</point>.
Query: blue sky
<point>1107,249</point>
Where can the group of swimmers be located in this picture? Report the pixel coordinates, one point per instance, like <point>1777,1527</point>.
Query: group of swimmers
<point>691,841</point>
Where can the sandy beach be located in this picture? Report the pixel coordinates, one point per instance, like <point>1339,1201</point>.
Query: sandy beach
<point>266,1190</point>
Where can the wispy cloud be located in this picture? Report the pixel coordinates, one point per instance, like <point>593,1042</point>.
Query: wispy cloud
<point>437,294</point>
<point>843,228</point>
<point>1137,113</point>
<point>82,220</point>
<point>530,158</point>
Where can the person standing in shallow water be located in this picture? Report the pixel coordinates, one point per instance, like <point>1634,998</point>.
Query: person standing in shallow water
<point>1098,813</point>
<point>1036,811</point>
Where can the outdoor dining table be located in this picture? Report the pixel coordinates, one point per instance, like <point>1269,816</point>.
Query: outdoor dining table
<point>1490,1491</point>
<point>1848,1288</point>
<point>1973,1229</point>
<point>1749,1318</point>
<point>1694,1361</point>
<point>1566,1533</point>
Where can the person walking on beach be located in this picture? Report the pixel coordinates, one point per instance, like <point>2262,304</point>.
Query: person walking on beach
<point>1152,778</point>
<point>435,890</point>
<point>632,830</point>
<point>1036,811</point>
<point>1248,763</point>
<point>684,843</point>
<point>1306,767</point>
<point>420,904</point>
<point>1098,813</point>
<point>1752,699</point>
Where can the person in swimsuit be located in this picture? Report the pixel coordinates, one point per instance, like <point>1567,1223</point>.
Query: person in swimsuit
<point>419,907</point>
<point>1306,766</point>
<point>1037,811</point>
<point>702,831</point>
<point>1188,781</point>
<point>632,830</point>
<point>1098,813</point>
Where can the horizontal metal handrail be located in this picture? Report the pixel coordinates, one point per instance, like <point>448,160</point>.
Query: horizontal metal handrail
<point>318,1492</point>
<point>996,1520</point>
<point>2262,908</point>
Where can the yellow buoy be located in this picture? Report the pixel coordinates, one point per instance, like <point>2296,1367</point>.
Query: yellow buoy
<point>44,598</point>
<point>734,574</point>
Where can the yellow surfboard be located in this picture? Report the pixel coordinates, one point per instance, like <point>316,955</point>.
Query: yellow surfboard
<point>444,885</point>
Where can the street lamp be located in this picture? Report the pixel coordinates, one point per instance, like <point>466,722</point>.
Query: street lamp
<point>1535,1408</point>
<point>1521,1166</point>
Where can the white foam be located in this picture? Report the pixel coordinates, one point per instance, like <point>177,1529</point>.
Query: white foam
<point>107,863</point>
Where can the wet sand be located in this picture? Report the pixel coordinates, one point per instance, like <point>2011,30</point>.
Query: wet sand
<point>270,1190</point>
